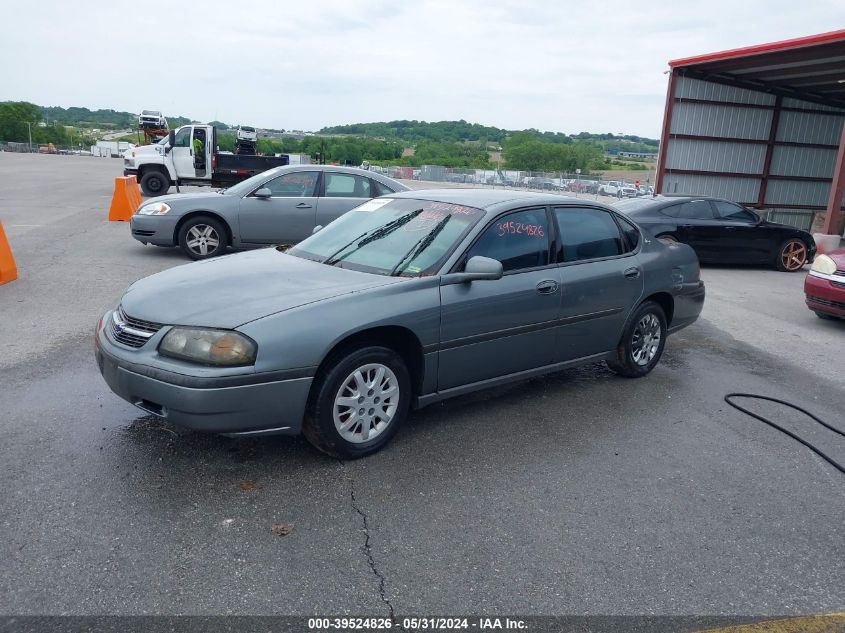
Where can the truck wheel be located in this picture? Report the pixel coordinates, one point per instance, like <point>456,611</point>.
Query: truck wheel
<point>155,183</point>
<point>202,237</point>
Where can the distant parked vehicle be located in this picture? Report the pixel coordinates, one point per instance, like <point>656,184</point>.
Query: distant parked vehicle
<point>721,231</point>
<point>627,191</point>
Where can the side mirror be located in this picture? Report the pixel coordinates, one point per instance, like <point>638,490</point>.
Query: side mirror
<point>316,229</point>
<point>478,268</point>
<point>264,192</point>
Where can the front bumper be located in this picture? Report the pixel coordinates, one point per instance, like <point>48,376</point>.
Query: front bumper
<point>154,229</point>
<point>825,293</point>
<point>241,404</point>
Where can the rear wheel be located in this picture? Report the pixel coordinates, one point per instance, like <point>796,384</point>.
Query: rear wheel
<point>792,255</point>
<point>824,315</point>
<point>642,342</point>
<point>358,402</point>
<point>202,237</point>
<point>155,183</point>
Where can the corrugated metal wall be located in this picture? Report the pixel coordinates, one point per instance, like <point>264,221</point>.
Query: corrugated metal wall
<point>738,167</point>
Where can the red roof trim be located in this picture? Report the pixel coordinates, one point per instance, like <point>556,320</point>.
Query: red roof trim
<point>798,42</point>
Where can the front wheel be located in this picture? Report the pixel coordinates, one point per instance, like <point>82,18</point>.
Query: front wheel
<point>155,183</point>
<point>358,402</point>
<point>202,237</point>
<point>792,255</point>
<point>642,342</point>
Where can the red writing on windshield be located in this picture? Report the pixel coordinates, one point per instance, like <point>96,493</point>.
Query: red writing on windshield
<point>518,228</point>
<point>452,208</point>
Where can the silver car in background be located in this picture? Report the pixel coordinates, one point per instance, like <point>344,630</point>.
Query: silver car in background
<point>406,300</point>
<point>278,206</point>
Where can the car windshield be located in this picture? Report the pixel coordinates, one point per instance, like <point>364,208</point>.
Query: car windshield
<point>246,186</point>
<point>391,236</point>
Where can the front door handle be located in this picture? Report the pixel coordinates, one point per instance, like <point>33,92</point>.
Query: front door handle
<point>303,205</point>
<point>547,287</point>
<point>632,273</point>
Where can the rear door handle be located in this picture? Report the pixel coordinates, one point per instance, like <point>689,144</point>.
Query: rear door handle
<point>547,287</point>
<point>632,273</point>
<point>303,205</point>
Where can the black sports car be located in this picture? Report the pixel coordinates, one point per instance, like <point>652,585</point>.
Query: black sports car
<point>721,231</point>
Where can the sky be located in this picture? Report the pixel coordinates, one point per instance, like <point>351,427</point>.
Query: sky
<point>305,64</point>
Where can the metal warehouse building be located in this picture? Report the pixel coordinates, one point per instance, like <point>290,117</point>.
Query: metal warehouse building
<point>762,126</point>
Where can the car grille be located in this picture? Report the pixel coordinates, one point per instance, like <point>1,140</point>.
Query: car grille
<point>827,302</point>
<point>130,331</point>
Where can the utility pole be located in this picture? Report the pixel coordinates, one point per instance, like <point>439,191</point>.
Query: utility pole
<point>29,127</point>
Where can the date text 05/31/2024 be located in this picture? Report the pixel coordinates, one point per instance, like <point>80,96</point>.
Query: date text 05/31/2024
<point>416,623</point>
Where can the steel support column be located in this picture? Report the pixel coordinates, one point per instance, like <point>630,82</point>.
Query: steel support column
<point>770,150</point>
<point>664,135</point>
<point>837,190</point>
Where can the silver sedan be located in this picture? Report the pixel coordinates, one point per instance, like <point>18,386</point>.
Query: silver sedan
<point>406,300</point>
<point>278,206</point>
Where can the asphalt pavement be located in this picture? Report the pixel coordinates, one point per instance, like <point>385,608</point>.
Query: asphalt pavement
<point>578,493</point>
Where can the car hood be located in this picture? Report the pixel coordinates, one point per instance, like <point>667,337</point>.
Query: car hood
<point>232,290</point>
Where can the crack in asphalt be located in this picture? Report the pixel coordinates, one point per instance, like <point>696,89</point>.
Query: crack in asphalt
<point>367,548</point>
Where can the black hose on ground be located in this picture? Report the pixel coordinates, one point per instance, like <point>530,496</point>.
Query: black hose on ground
<point>757,416</point>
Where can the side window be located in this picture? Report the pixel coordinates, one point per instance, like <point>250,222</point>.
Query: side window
<point>732,212</point>
<point>695,210</point>
<point>519,240</point>
<point>380,189</point>
<point>183,137</point>
<point>587,234</point>
<point>347,186</point>
<point>631,232</point>
<point>672,211</point>
<point>298,184</point>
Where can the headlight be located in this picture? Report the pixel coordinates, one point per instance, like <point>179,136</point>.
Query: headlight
<point>824,264</point>
<point>154,208</point>
<point>210,347</point>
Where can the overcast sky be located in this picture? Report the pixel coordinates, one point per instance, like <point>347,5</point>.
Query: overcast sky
<point>560,66</point>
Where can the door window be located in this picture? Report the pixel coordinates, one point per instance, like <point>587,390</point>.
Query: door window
<point>298,184</point>
<point>587,234</point>
<point>733,212</point>
<point>347,186</point>
<point>519,240</point>
<point>380,189</point>
<point>694,210</point>
<point>183,137</point>
<point>631,232</point>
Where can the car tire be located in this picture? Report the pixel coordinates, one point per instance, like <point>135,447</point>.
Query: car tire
<point>155,183</point>
<point>332,424</point>
<point>638,352</point>
<point>201,237</point>
<point>791,255</point>
<point>825,315</point>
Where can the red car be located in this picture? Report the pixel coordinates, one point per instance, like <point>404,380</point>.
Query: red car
<point>825,285</point>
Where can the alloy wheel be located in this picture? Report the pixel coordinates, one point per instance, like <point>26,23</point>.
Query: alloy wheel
<point>646,339</point>
<point>203,238</point>
<point>793,255</point>
<point>366,403</point>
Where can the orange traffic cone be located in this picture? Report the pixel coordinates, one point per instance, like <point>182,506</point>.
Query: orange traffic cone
<point>8,270</point>
<point>125,200</point>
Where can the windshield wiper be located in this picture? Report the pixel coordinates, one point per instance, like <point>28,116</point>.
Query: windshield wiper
<point>417,249</point>
<point>370,236</point>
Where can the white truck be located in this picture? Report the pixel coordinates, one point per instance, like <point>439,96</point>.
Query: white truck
<point>189,156</point>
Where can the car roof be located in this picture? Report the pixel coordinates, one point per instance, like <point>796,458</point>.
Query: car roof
<point>488,198</point>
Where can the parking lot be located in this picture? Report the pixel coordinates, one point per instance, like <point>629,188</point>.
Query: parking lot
<point>578,493</point>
